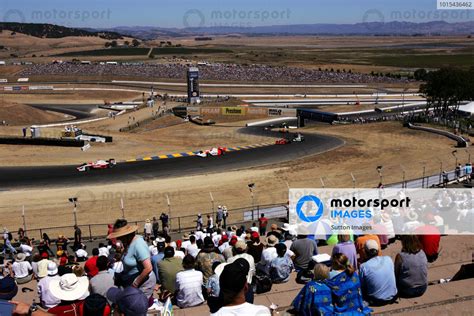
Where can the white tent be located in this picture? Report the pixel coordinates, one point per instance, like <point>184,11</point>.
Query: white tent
<point>467,108</point>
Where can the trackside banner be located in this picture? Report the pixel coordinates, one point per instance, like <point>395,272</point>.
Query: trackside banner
<point>324,212</point>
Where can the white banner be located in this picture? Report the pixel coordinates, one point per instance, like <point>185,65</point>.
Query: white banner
<point>324,212</point>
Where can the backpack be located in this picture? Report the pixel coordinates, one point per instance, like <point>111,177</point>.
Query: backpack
<point>263,283</point>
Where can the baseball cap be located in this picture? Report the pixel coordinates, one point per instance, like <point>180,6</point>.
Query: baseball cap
<point>371,245</point>
<point>234,276</point>
<point>241,245</point>
<point>131,301</point>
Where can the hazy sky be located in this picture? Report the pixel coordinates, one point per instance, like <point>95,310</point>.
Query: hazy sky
<point>182,13</point>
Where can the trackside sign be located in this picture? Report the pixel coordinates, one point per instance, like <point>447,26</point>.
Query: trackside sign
<point>323,212</point>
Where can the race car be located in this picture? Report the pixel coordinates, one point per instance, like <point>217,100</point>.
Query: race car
<point>99,164</point>
<point>216,151</point>
<point>298,138</point>
<point>282,141</point>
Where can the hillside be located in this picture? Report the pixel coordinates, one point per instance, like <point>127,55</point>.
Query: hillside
<point>54,31</point>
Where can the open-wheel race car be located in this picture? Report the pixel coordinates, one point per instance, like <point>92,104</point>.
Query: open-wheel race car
<point>99,164</point>
<point>282,141</point>
<point>216,151</point>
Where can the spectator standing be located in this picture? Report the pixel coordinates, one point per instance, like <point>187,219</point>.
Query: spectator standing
<point>199,222</point>
<point>22,269</point>
<point>346,247</point>
<point>167,270</point>
<point>91,264</point>
<point>137,268</point>
<point>164,223</point>
<point>304,250</point>
<point>219,216</point>
<point>155,227</point>
<point>315,298</point>
<point>77,237</point>
<point>233,287</point>
<point>377,277</point>
<point>262,224</point>
<point>7,238</point>
<point>225,214</point>
<point>47,300</point>
<point>210,223</point>
<point>411,268</point>
<point>281,266</point>
<point>103,281</point>
<point>148,229</point>
<point>189,284</point>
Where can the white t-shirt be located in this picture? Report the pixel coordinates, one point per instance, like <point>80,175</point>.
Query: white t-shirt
<point>27,250</point>
<point>246,309</point>
<point>21,269</point>
<point>179,254</point>
<point>103,251</point>
<point>193,250</point>
<point>81,253</point>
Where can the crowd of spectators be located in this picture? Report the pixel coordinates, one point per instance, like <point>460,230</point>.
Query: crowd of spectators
<point>221,266</point>
<point>215,71</point>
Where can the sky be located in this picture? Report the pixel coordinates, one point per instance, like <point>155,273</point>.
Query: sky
<point>242,13</point>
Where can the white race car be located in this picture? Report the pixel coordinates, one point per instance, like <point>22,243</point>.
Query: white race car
<point>99,164</point>
<point>216,151</point>
<point>298,138</point>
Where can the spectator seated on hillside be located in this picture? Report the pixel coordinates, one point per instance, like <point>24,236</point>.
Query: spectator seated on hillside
<point>168,268</point>
<point>81,254</point>
<point>254,246</point>
<point>189,284</point>
<point>8,286</point>
<point>346,247</point>
<point>129,301</point>
<point>377,276</point>
<point>304,249</point>
<point>103,280</point>
<point>411,268</point>
<point>206,257</point>
<point>72,291</point>
<point>233,287</point>
<point>360,246</point>
<point>281,266</point>
<point>345,288</point>
<point>429,237</point>
<point>22,269</point>
<point>95,304</point>
<point>213,290</point>
<point>91,264</point>
<point>47,299</point>
<point>315,297</point>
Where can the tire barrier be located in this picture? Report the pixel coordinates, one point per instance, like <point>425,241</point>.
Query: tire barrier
<point>41,141</point>
<point>462,142</point>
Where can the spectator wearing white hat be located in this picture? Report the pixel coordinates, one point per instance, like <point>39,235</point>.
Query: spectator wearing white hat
<point>47,300</point>
<point>71,290</point>
<point>22,269</point>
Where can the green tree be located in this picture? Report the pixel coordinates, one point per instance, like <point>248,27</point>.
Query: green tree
<point>135,43</point>
<point>420,74</point>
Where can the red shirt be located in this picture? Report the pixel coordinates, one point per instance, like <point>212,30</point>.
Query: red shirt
<point>430,242</point>
<point>263,222</point>
<point>91,267</point>
<point>74,309</point>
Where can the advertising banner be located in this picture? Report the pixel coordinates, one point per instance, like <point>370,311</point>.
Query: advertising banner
<point>235,110</point>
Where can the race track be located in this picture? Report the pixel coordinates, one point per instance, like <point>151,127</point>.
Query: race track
<point>60,176</point>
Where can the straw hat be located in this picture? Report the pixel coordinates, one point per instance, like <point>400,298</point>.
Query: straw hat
<point>69,287</point>
<point>272,240</point>
<point>123,231</point>
<point>20,257</point>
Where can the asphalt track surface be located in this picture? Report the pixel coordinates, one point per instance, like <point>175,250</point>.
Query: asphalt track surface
<point>67,175</point>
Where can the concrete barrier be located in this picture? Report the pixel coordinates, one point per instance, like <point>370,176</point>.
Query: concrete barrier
<point>38,141</point>
<point>460,140</point>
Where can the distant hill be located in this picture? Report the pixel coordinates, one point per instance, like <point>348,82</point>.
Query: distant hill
<point>54,31</point>
<point>370,28</point>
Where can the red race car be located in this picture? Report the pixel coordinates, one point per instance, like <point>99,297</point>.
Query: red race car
<point>219,151</point>
<point>99,164</point>
<point>282,141</point>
